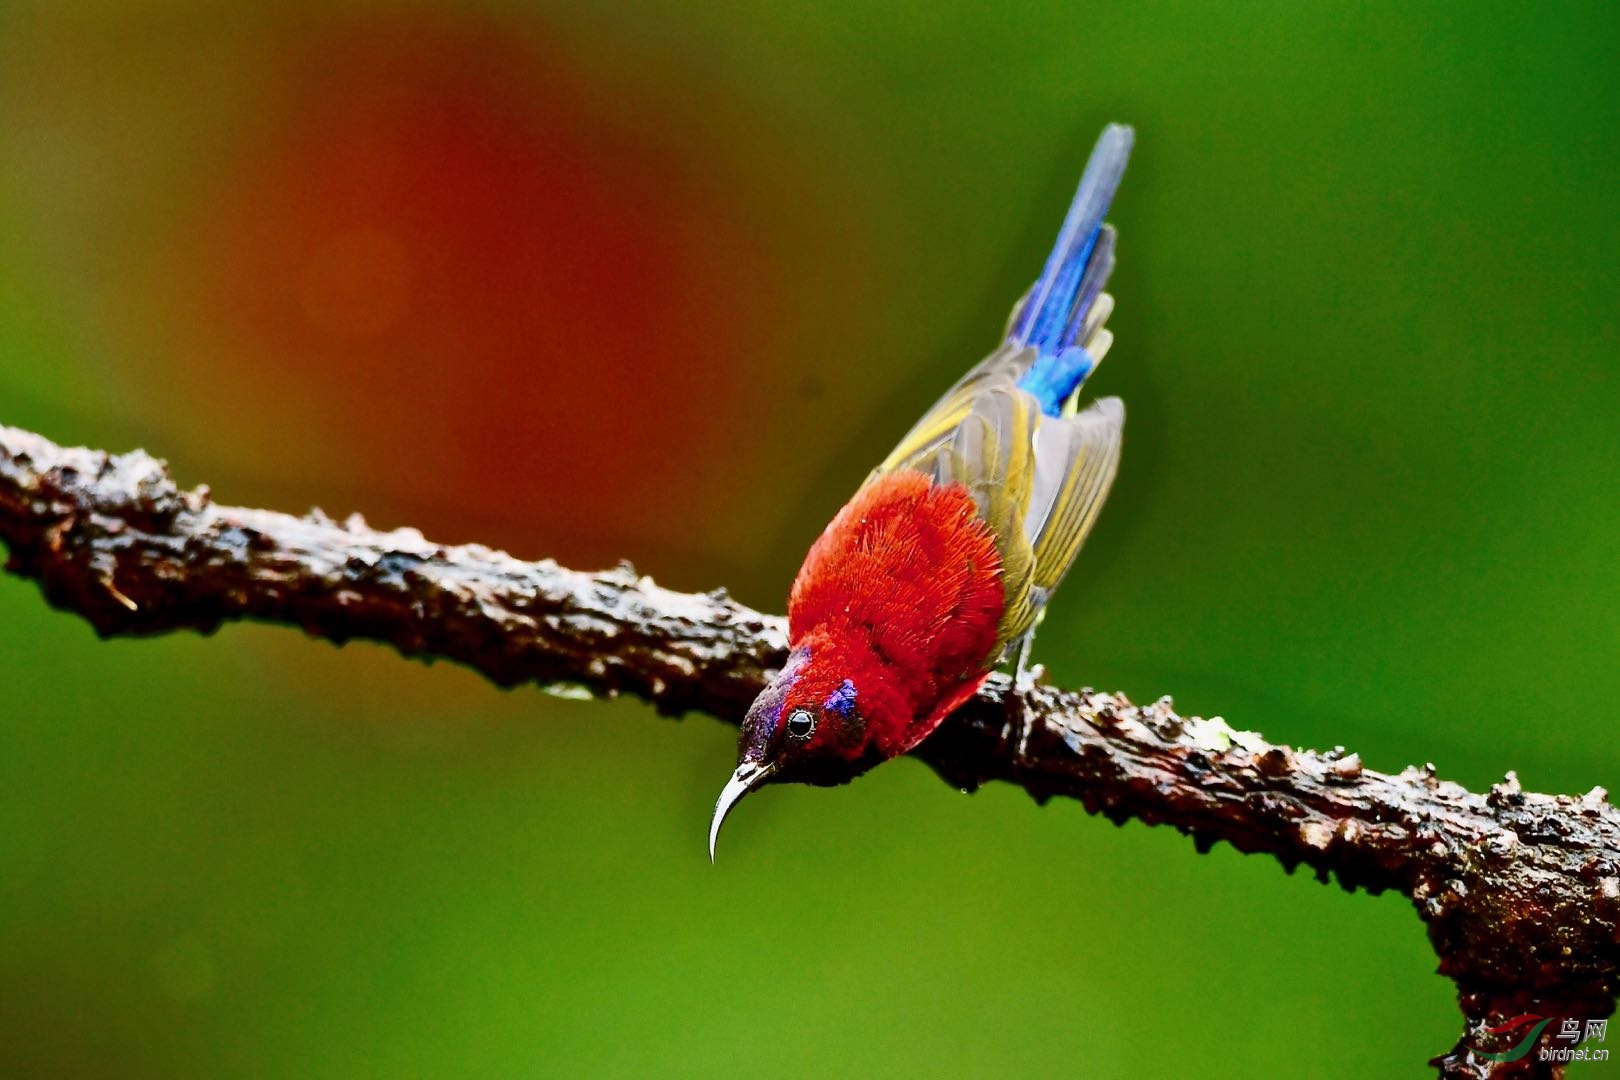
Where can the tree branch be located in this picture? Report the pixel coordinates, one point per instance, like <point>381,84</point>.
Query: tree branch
<point>1520,892</point>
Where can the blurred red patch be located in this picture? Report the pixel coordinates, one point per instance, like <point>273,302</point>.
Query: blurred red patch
<point>444,267</point>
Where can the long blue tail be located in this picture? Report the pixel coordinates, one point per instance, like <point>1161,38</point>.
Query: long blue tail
<point>1056,316</point>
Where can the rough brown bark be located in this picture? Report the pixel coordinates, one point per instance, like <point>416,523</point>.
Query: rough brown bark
<point>1520,892</point>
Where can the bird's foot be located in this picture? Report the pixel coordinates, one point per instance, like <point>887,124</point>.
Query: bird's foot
<point>1022,704</point>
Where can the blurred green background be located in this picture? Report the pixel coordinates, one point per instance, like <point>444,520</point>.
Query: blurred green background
<point>661,283</point>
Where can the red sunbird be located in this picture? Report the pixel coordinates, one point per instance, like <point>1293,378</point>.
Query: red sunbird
<point>941,564</point>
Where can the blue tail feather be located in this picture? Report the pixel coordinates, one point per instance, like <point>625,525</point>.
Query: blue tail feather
<point>1054,376</point>
<point>1054,315</point>
<point>1099,264</point>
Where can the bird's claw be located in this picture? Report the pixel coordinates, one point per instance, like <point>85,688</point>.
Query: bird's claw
<point>1026,678</point>
<point>1023,692</point>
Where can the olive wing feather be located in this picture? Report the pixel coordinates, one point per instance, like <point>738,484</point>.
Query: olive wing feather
<point>1038,480</point>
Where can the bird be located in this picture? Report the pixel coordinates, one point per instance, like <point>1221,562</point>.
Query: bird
<point>940,566</point>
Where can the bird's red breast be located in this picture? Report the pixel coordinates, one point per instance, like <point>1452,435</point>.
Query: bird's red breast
<point>902,594</point>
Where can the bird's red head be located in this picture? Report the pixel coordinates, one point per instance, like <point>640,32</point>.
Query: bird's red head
<point>814,723</point>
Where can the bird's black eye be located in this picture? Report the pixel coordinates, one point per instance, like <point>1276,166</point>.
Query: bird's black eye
<point>801,723</point>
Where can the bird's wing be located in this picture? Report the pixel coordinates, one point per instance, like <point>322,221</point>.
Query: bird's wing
<point>938,425</point>
<point>1076,458</point>
<point>1037,480</point>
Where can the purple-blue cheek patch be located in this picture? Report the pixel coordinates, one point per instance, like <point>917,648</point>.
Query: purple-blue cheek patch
<point>841,700</point>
